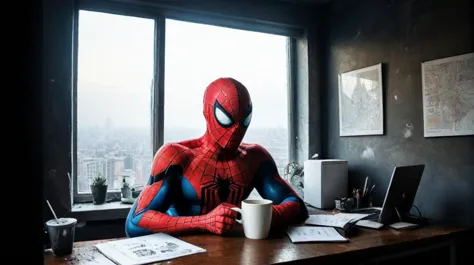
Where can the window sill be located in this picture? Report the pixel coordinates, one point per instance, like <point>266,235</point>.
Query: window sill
<point>107,211</point>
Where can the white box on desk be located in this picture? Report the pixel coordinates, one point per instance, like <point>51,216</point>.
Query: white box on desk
<point>324,181</point>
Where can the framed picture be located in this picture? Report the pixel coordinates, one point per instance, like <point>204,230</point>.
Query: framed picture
<point>448,96</point>
<point>361,102</point>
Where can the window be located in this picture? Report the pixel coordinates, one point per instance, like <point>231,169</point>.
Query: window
<point>115,69</point>
<point>197,54</point>
<point>116,91</point>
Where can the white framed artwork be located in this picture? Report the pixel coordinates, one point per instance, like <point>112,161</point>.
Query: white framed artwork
<point>361,102</point>
<point>448,96</point>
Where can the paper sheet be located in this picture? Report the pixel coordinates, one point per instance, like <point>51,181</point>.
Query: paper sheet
<point>369,224</point>
<point>314,234</point>
<point>147,249</point>
<point>336,220</point>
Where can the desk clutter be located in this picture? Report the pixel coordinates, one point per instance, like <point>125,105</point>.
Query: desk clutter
<point>361,198</point>
<point>357,211</point>
<point>330,228</point>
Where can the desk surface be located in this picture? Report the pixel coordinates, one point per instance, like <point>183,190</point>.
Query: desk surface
<point>236,249</point>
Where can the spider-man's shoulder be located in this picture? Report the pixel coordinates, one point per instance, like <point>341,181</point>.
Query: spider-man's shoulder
<point>171,154</point>
<point>255,152</point>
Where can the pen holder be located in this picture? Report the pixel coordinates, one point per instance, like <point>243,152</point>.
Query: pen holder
<point>363,201</point>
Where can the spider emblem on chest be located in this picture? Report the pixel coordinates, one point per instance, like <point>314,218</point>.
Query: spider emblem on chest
<point>220,189</point>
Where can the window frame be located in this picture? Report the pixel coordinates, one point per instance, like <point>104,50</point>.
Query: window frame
<point>157,95</point>
<point>160,14</point>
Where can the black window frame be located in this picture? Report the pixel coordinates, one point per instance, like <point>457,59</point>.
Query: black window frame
<point>160,13</point>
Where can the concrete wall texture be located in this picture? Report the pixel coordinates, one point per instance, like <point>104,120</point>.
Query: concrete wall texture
<point>400,35</point>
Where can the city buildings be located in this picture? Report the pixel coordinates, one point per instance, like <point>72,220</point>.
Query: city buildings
<point>112,151</point>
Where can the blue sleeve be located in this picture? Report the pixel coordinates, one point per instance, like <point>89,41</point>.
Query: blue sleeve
<point>272,187</point>
<point>160,202</point>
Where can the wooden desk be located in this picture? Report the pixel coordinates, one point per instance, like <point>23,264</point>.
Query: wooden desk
<point>369,246</point>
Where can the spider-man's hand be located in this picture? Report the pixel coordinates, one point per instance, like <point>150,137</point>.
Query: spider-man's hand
<point>220,220</point>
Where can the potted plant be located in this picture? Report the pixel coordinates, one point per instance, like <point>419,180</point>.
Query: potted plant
<point>99,189</point>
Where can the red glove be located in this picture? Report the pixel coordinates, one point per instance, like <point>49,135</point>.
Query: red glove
<point>220,220</point>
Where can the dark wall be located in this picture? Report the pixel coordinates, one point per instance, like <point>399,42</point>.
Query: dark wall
<point>401,35</point>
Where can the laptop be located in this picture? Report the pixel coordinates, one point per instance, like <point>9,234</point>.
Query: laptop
<point>399,197</point>
<point>401,193</point>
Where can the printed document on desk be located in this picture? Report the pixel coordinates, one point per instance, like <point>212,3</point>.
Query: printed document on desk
<point>300,234</point>
<point>146,249</point>
<point>336,220</point>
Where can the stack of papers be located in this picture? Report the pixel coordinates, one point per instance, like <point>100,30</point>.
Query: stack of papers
<point>314,234</point>
<point>326,231</point>
<point>336,220</point>
<point>146,249</point>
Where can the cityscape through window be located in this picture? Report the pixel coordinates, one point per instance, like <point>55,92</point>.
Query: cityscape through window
<point>115,73</point>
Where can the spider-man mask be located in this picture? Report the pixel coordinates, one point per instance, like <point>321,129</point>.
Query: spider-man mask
<point>228,111</point>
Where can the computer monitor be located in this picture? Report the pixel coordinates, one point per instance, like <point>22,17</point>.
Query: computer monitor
<point>400,194</point>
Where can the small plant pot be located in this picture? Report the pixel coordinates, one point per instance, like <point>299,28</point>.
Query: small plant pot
<point>99,194</point>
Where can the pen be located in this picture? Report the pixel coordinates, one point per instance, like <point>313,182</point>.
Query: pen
<point>364,191</point>
<point>371,189</point>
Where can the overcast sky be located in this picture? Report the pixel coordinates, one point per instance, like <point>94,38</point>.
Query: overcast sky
<point>116,68</point>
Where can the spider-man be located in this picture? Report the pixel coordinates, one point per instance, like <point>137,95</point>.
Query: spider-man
<point>194,183</point>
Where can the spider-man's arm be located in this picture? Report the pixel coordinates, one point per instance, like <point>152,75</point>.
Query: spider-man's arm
<point>148,212</point>
<point>287,205</point>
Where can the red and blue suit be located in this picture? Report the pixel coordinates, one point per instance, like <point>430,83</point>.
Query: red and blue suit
<point>195,183</point>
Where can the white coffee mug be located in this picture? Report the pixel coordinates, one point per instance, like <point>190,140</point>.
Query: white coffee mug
<point>256,218</point>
